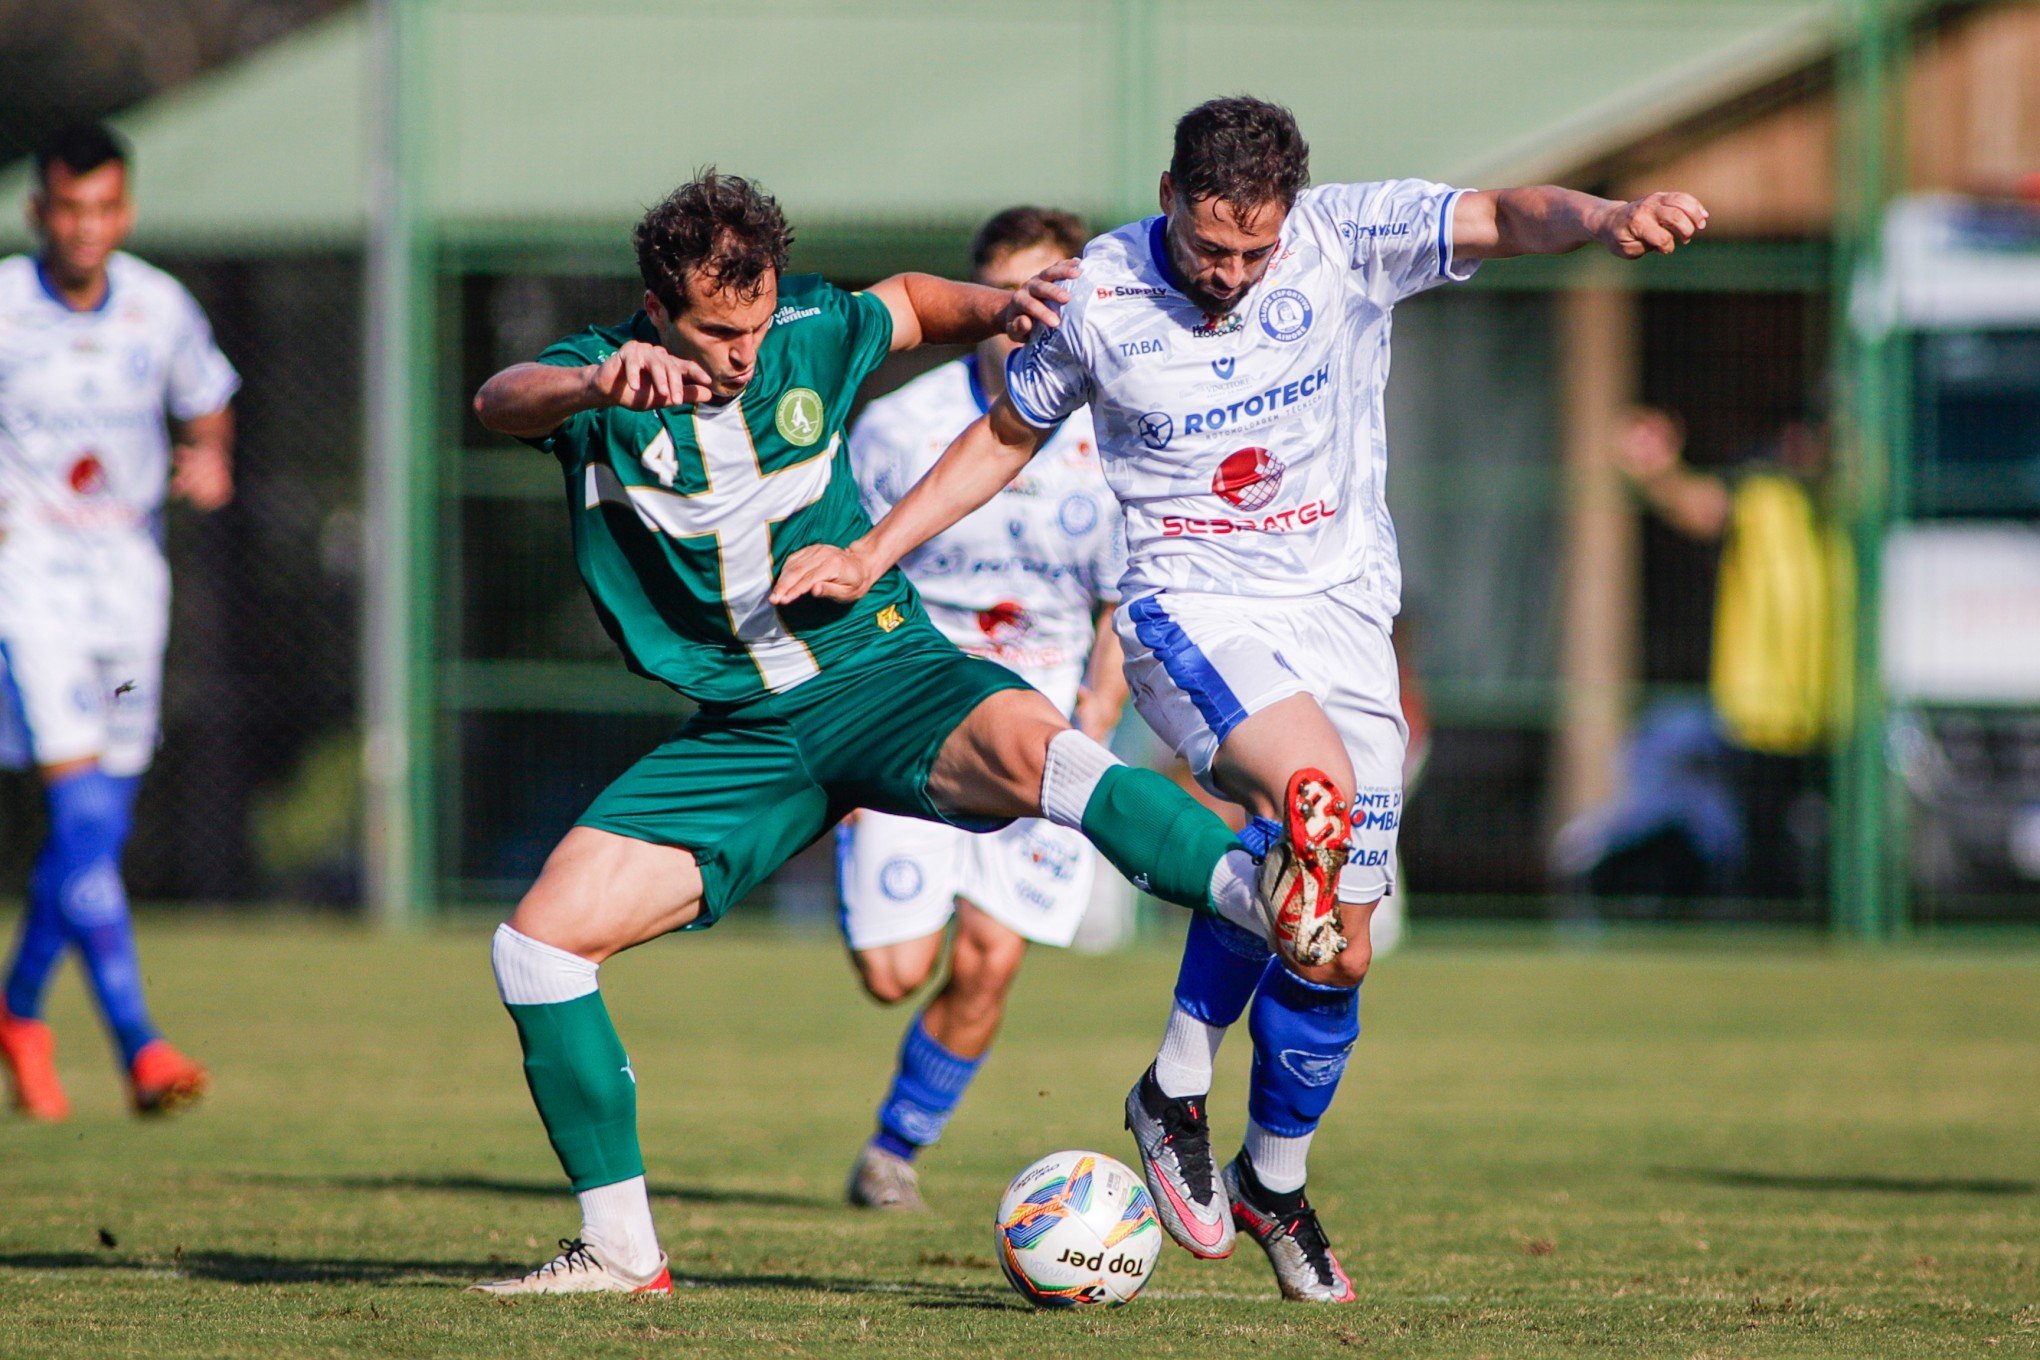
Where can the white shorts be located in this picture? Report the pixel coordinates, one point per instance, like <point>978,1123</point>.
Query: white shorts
<point>900,878</point>
<point>1199,665</point>
<point>81,653</point>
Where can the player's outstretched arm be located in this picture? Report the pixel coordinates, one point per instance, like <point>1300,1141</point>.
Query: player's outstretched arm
<point>930,311</point>
<point>972,470</point>
<point>529,401</point>
<point>1495,224</point>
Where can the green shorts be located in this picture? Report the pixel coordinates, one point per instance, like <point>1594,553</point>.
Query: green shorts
<point>747,788</point>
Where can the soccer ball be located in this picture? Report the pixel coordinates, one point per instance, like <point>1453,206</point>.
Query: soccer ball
<point>1076,1230</point>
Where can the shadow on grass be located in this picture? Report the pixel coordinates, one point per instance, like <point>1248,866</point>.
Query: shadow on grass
<point>1890,1185</point>
<point>235,1267</point>
<point>545,1189</point>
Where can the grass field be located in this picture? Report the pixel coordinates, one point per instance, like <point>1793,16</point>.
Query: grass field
<point>1633,1152</point>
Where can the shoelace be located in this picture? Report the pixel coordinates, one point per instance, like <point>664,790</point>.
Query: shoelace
<point>574,1255</point>
<point>1185,1132</point>
<point>1305,1230</point>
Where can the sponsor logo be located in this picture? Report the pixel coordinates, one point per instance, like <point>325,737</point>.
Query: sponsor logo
<point>1135,349</point>
<point>1129,290</point>
<point>88,475</point>
<point>890,618</point>
<point>1373,231</point>
<point>1216,324</point>
<point>1377,810</point>
<point>1248,409</point>
<point>1156,429</point>
<point>1281,522</point>
<point>789,314</point>
<point>1285,314</point>
<point>1369,859</point>
<point>900,878</point>
<point>1248,478</point>
<point>1223,368</point>
<point>1053,857</point>
<point>1004,623</point>
<point>1077,515</point>
<point>1315,1069</point>
<point>799,417</point>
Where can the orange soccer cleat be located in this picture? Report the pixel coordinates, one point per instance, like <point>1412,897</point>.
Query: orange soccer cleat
<point>162,1079</point>
<point>30,1051</point>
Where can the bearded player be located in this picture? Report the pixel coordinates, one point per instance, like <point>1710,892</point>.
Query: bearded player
<point>1027,581</point>
<point>1234,353</point>
<point>701,442</point>
<point>110,388</point>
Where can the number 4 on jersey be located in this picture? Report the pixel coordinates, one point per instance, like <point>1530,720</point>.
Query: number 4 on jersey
<point>660,460</point>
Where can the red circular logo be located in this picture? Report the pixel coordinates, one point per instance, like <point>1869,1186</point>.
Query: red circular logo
<point>1004,623</point>
<point>88,475</point>
<point>1248,478</point>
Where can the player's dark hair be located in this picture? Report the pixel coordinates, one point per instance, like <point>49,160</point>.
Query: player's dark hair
<point>1024,228</point>
<point>723,226</point>
<point>80,149</point>
<point>1242,151</point>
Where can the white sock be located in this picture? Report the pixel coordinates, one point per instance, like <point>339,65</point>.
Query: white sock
<point>616,1220</point>
<point>1278,1161</point>
<point>529,973</point>
<point>1232,892</point>
<point>1070,775</point>
<point>1183,1064</point>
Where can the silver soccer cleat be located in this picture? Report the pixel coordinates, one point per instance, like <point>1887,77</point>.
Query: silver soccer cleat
<point>883,1180</point>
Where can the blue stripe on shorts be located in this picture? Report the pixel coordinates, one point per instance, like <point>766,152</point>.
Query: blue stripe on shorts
<point>1187,666</point>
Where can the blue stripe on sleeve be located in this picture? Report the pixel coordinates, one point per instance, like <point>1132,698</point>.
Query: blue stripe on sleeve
<point>1187,666</point>
<point>1027,412</point>
<point>1445,233</point>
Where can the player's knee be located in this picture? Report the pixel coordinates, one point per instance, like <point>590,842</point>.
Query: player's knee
<point>885,986</point>
<point>1350,967</point>
<point>983,970</point>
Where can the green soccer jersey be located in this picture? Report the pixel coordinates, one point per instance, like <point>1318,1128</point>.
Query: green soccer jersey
<point>682,517</point>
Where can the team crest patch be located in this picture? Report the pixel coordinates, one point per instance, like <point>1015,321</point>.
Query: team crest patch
<point>799,417</point>
<point>890,618</point>
<point>900,879</point>
<point>1285,314</point>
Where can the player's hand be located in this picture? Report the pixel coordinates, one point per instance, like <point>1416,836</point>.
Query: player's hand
<point>646,377</point>
<point>826,572</point>
<point>1038,302</point>
<point>203,476</point>
<point>1656,224</point>
<point>1650,444</point>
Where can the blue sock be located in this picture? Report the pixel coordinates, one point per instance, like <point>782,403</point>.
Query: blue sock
<point>40,944</point>
<point>1303,1032</point>
<point>926,1087</point>
<point>1221,966</point>
<point>90,815</point>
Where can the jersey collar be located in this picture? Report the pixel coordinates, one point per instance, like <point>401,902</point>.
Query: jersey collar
<point>1158,246</point>
<point>49,287</point>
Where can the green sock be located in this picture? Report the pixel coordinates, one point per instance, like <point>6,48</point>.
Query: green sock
<point>586,1093</point>
<point>1157,835</point>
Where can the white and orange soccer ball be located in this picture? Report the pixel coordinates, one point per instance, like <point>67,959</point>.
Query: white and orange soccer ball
<point>1077,1230</point>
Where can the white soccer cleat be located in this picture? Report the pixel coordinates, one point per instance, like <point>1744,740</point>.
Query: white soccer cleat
<point>884,1180</point>
<point>578,1270</point>
<point>1298,886</point>
<point>1306,1270</point>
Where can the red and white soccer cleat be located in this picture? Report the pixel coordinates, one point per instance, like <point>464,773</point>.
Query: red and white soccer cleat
<point>29,1049</point>
<point>161,1079</point>
<point>1298,885</point>
<point>578,1270</point>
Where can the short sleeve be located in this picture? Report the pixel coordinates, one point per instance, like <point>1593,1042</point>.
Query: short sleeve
<point>575,351</point>
<point>869,328</point>
<point>201,381</point>
<point>1396,233</point>
<point>878,459</point>
<point>1047,377</point>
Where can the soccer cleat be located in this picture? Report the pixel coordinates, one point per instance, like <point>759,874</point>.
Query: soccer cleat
<point>578,1270</point>
<point>162,1080</point>
<point>29,1049</point>
<point>1299,878</point>
<point>1294,1240</point>
<point>885,1180</point>
<point>1175,1159</point>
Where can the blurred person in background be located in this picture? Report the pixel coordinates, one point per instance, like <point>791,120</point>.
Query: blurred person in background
<point>1029,581</point>
<point>111,390</point>
<point>1726,796</point>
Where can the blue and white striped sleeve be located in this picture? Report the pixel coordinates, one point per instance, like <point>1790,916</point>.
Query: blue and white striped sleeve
<point>1398,234</point>
<point>1047,377</point>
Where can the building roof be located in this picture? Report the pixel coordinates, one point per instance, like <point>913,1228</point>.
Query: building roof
<point>555,124</point>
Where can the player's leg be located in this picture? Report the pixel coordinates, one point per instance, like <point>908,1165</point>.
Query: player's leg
<point>896,880</point>
<point>618,879</point>
<point>1305,1022</point>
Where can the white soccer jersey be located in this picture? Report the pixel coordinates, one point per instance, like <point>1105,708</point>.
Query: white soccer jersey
<point>1248,449</point>
<point>83,396</point>
<point>1019,579</point>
